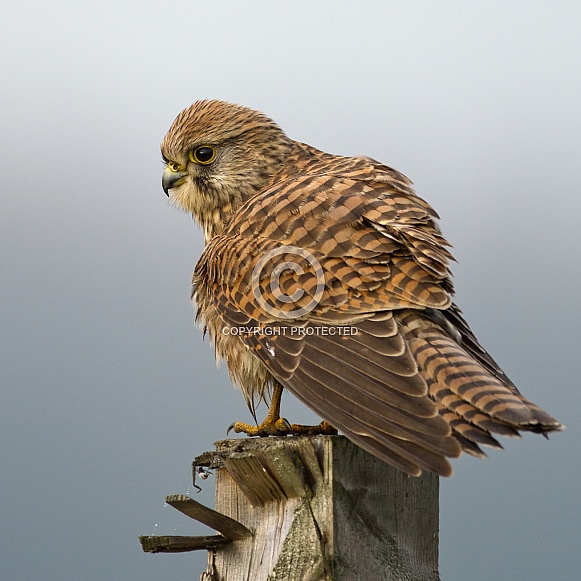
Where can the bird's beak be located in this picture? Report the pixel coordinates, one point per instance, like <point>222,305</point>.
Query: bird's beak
<point>172,179</point>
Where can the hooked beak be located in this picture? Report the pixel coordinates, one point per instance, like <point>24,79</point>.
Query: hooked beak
<point>172,179</point>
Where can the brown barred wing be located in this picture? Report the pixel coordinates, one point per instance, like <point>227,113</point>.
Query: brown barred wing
<point>471,392</point>
<point>363,379</point>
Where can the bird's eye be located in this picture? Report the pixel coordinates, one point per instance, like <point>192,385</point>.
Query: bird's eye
<point>203,155</point>
<point>173,166</point>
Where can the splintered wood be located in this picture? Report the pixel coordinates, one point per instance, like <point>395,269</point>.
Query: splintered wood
<point>320,508</point>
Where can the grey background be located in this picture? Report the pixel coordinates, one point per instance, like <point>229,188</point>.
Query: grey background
<point>107,390</point>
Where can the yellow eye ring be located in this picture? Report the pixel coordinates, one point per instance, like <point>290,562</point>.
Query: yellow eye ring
<point>203,155</point>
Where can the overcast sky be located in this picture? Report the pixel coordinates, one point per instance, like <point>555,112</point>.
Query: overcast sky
<point>108,391</point>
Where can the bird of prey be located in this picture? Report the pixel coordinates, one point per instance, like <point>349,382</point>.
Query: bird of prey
<point>328,276</point>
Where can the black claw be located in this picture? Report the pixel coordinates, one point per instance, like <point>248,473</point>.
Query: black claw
<point>287,425</point>
<point>230,427</point>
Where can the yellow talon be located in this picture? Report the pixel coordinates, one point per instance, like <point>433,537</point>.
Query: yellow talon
<point>274,425</point>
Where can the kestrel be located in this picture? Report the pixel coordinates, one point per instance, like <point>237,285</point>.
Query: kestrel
<point>329,276</point>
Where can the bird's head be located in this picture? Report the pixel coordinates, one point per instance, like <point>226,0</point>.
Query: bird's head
<point>217,155</point>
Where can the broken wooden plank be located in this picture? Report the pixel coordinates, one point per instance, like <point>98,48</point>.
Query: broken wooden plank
<point>173,544</point>
<point>319,509</point>
<point>230,528</point>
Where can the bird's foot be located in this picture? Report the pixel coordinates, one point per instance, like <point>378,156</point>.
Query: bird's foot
<point>281,427</point>
<point>278,427</point>
<point>322,429</point>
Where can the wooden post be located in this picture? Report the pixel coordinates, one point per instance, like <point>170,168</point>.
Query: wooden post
<point>311,509</point>
<point>321,508</point>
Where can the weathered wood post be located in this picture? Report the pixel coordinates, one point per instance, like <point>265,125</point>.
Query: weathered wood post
<point>312,509</point>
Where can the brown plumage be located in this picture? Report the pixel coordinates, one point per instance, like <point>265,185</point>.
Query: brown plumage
<point>360,323</point>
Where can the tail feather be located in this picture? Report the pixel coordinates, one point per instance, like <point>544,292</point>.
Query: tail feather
<point>471,392</point>
<point>446,363</point>
<point>466,411</point>
<point>462,428</point>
